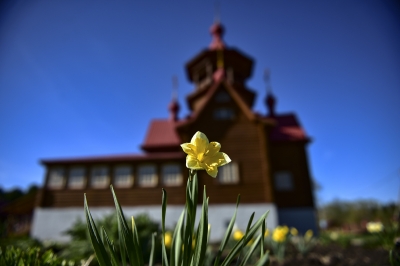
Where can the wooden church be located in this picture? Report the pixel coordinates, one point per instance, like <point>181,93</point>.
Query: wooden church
<point>269,167</point>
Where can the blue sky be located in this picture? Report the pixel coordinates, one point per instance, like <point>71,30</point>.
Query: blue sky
<point>84,78</point>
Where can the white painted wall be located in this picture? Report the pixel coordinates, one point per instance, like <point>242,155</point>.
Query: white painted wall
<point>50,223</point>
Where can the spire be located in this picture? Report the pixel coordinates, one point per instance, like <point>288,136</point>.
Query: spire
<point>217,14</point>
<point>217,31</point>
<point>270,100</point>
<point>174,107</point>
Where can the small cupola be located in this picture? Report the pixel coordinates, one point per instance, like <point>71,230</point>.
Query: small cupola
<point>270,101</point>
<point>217,31</point>
<point>174,109</point>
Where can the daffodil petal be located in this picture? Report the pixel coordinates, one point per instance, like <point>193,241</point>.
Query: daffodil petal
<point>200,141</point>
<point>192,163</point>
<point>212,171</point>
<point>226,159</point>
<point>213,148</point>
<point>189,148</point>
<point>199,135</point>
<point>218,159</point>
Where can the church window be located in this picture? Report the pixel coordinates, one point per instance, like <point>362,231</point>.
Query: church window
<point>172,175</point>
<point>224,114</point>
<point>123,176</point>
<point>283,181</point>
<point>76,178</point>
<point>147,176</point>
<point>99,178</point>
<point>222,97</point>
<point>229,173</point>
<point>56,178</point>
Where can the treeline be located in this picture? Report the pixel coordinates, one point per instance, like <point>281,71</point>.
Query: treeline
<point>349,213</point>
<point>7,196</point>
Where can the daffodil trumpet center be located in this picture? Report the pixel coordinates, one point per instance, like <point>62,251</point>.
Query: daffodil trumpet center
<point>200,157</point>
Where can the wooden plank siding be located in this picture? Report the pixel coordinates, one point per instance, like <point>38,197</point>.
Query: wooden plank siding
<point>130,196</point>
<point>291,156</point>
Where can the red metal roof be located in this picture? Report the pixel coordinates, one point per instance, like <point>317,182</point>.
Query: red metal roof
<point>162,135</point>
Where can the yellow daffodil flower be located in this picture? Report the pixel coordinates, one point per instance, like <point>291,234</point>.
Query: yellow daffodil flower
<point>285,229</point>
<point>266,233</point>
<point>237,235</point>
<point>204,155</point>
<point>168,239</point>
<point>308,235</point>
<point>374,227</point>
<point>334,235</point>
<point>293,231</point>
<point>279,235</point>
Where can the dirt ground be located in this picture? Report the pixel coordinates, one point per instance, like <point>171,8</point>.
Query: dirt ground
<point>334,255</point>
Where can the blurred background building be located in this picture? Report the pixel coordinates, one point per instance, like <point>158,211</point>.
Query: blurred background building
<point>269,167</point>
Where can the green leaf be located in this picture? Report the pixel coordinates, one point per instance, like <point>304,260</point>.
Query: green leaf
<point>121,243</point>
<point>190,206</point>
<point>262,241</point>
<point>164,209</point>
<point>237,248</point>
<point>194,194</point>
<point>264,260</point>
<point>111,248</point>
<point>251,250</point>
<point>202,234</point>
<point>98,245</point>
<point>227,233</point>
<point>153,243</point>
<point>126,236</point>
<point>176,247</point>
<point>136,242</point>
<point>245,236</point>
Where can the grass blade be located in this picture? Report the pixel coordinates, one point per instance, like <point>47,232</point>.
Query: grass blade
<point>97,244</point>
<point>227,233</point>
